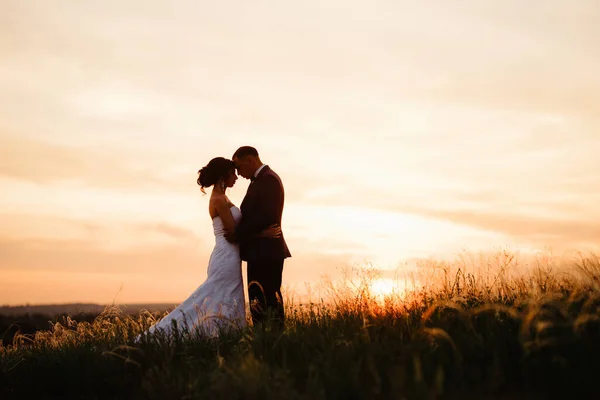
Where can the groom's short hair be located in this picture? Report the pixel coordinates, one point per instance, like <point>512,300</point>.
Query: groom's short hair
<point>245,151</point>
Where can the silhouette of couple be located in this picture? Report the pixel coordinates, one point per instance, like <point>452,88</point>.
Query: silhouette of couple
<point>251,233</point>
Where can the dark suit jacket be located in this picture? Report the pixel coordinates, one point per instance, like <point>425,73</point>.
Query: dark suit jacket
<point>262,206</point>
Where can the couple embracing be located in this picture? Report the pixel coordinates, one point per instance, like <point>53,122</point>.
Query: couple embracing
<point>251,233</point>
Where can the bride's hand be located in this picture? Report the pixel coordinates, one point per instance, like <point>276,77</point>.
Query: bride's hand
<point>272,232</point>
<point>230,237</point>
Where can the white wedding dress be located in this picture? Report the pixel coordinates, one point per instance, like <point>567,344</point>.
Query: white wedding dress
<point>219,302</point>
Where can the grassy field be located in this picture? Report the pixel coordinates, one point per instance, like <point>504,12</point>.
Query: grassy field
<point>474,329</point>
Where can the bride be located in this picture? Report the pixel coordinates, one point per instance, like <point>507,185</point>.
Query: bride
<point>219,302</point>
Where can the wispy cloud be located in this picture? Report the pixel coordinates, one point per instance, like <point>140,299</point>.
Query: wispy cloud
<point>562,234</point>
<point>46,162</point>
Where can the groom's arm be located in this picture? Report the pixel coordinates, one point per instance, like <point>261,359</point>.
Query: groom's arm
<point>265,212</point>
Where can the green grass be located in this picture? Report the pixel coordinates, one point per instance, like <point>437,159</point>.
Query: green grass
<point>475,329</point>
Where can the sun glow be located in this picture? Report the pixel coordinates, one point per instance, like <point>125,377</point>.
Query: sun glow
<point>386,287</point>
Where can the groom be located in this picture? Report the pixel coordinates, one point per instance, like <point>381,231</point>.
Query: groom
<point>262,207</point>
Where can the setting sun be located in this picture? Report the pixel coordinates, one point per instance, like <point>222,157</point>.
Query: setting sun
<point>385,287</point>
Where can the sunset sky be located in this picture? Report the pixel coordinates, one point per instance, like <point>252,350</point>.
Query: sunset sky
<point>401,130</point>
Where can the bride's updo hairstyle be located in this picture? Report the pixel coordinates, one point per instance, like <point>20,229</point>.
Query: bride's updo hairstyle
<point>217,169</point>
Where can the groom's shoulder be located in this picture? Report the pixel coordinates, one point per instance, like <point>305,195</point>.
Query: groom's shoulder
<point>270,173</point>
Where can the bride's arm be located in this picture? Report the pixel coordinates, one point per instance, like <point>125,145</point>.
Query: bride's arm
<point>271,232</point>
<point>224,211</point>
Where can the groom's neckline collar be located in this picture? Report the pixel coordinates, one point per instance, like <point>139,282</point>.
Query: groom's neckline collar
<point>258,171</point>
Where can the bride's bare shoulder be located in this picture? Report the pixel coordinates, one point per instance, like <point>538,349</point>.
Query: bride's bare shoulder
<point>215,202</point>
<point>221,199</point>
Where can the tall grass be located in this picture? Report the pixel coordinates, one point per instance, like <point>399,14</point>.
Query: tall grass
<point>474,328</point>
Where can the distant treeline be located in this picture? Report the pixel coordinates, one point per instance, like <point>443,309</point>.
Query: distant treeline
<point>76,308</point>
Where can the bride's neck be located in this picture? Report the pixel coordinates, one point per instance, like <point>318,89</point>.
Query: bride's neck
<point>218,190</point>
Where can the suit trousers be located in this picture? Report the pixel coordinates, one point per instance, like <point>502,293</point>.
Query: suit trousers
<point>264,291</point>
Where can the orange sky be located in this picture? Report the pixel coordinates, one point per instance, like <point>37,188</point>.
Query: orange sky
<point>401,130</point>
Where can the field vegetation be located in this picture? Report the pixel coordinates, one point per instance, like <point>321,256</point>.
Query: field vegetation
<point>473,328</point>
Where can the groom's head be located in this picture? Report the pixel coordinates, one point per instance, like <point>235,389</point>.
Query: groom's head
<point>246,161</point>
